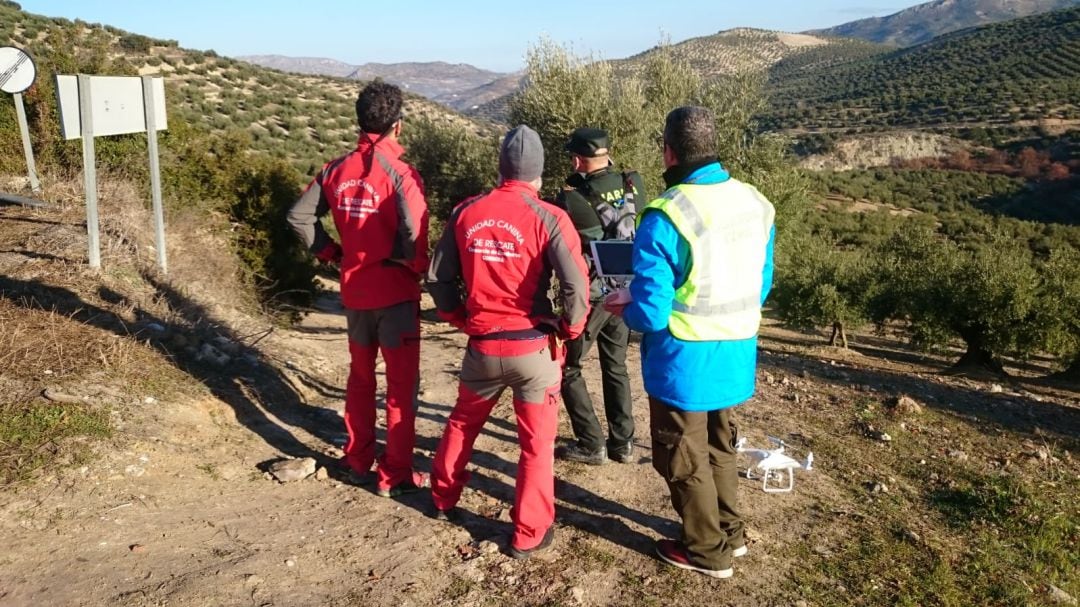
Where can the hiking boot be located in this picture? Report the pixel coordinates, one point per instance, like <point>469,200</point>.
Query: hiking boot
<point>576,453</point>
<point>673,553</point>
<point>418,482</point>
<point>549,537</point>
<point>623,455</point>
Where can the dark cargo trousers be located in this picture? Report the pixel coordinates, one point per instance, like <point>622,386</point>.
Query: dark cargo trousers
<point>611,337</point>
<point>695,453</point>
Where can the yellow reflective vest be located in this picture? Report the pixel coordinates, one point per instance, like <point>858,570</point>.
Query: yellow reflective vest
<point>727,226</point>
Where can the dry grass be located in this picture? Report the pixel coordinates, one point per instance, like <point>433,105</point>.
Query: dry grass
<point>103,339</point>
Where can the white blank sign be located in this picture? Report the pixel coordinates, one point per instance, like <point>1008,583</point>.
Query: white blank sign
<point>116,105</point>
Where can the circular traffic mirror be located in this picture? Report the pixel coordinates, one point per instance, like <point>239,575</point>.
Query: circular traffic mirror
<point>17,70</point>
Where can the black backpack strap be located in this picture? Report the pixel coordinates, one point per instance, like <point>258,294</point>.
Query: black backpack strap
<point>628,183</point>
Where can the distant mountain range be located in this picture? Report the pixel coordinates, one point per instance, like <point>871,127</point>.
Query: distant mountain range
<point>923,22</point>
<point>316,66</point>
<point>433,79</point>
<point>475,98</point>
<point>484,93</point>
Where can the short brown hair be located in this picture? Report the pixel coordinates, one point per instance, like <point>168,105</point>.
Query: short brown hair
<point>690,133</point>
<point>378,107</point>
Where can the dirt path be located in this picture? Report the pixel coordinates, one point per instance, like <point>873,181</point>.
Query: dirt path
<point>183,515</point>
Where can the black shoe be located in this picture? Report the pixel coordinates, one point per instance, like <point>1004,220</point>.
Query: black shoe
<point>576,453</point>
<point>418,482</point>
<point>623,455</point>
<point>362,479</point>
<point>449,516</point>
<point>549,537</point>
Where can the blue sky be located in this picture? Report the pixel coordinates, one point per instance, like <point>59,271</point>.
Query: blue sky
<point>487,33</point>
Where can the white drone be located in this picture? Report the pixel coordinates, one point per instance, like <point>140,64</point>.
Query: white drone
<point>773,465</point>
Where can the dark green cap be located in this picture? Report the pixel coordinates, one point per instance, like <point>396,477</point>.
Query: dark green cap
<point>588,142</point>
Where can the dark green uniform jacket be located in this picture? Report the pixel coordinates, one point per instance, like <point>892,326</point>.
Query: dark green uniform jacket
<point>601,210</point>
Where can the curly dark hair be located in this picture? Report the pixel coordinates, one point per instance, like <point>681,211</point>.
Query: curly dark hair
<point>378,107</point>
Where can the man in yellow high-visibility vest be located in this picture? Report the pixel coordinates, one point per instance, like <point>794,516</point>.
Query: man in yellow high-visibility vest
<point>703,264</point>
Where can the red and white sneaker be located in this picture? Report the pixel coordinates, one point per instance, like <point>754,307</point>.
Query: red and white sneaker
<point>673,553</point>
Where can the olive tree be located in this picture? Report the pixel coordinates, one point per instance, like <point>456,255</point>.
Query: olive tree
<point>454,162</point>
<point>819,285</point>
<point>986,294</point>
<point>563,92</point>
<point>1059,308</point>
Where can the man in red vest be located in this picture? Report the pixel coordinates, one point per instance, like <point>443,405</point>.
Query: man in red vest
<point>503,247</point>
<point>377,202</point>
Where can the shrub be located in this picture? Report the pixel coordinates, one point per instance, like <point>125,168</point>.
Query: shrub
<point>256,191</point>
<point>454,163</point>
<point>135,43</point>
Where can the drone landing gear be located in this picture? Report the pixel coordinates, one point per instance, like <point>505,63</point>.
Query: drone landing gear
<point>772,480</point>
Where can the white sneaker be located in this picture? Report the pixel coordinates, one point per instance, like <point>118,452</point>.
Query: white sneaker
<point>740,551</point>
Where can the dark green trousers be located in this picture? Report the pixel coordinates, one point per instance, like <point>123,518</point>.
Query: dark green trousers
<point>611,337</point>
<point>695,453</point>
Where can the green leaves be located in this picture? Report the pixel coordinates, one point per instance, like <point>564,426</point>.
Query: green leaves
<point>818,285</point>
<point>564,92</point>
<point>454,162</point>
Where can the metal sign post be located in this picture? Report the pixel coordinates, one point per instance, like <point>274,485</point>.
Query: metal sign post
<point>99,106</point>
<point>86,119</point>
<point>17,73</point>
<point>155,170</point>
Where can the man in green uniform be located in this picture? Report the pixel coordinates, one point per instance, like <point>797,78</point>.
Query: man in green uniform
<point>600,202</point>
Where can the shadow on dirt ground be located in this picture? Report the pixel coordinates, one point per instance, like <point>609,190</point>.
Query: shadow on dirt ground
<point>1016,409</point>
<point>261,395</point>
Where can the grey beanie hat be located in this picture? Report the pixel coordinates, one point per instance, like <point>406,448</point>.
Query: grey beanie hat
<point>522,155</point>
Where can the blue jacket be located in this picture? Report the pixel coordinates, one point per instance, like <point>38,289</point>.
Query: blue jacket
<point>692,376</point>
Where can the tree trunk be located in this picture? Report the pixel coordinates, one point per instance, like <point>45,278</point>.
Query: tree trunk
<point>838,332</point>
<point>977,361</point>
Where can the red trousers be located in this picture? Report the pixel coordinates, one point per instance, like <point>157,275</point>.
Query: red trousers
<point>534,375</point>
<point>395,331</point>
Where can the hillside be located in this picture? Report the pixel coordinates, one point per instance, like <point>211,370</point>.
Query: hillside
<point>433,79</point>
<point>725,53</point>
<point>472,99</point>
<point>739,50</point>
<point>1024,72</point>
<point>303,119</point>
<point>921,23</point>
<point>314,66</point>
